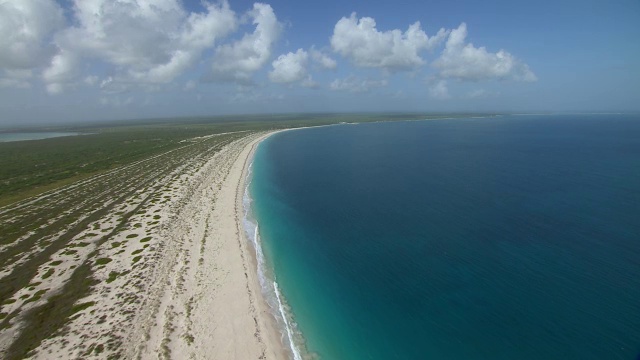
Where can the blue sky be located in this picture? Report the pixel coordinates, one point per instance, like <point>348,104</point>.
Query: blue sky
<point>86,60</point>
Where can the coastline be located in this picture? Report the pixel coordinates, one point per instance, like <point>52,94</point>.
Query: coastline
<point>177,279</point>
<point>174,269</point>
<point>227,316</point>
<point>232,319</point>
<point>279,331</point>
<point>268,323</point>
<point>171,268</point>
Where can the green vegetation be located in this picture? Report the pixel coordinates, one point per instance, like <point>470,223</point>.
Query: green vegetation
<point>28,168</point>
<point>103,261</point>
<point>80,307</point>
<point>113,276</point>
<point>114,167</point>
<point>43,321</point>
<point>80,244</point>
<point>48,274</point>
<point>36,296</point>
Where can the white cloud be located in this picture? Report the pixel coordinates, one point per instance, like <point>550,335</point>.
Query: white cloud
<point>145,41</point>
<point>26,27</point>
<point>293,67</point>
<point>110,85</point>
<point>439,90</point>
<point>63,68</point>
<point>393,50</point>
<point>322,59</point>
<point>355,85</point>
<point>200,32</point>
<point>463,61</point>
<point>142,44</point>
<point>238,61</point>
<point>290,67</point>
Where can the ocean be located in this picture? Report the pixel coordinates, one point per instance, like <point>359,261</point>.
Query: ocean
<point>513,237</point>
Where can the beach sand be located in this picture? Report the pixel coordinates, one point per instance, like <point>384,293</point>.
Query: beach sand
<point>227,318</point>
<point>180,280</point>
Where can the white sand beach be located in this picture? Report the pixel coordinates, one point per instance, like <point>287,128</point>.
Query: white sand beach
<point>179,281</point>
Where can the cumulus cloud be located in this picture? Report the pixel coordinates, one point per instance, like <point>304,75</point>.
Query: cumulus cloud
<point>63,68</point>
<point>360,41</point>
<point>290,67</point>
<point>439,90</point>
<point>355,85</point>
<point>238,61</point>
<point>146,41</point>
<point>322,59</point>
<point>293,67</point>
<point>143,44</point>
<point>139,41</point>
<point>463,61</point>
<point>26,27</point>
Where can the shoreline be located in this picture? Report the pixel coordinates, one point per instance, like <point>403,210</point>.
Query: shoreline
<point>170,273</point>
<point>278,327</point>
<point>277,333</point>
<point>266,317</point>
<point>226,313</point>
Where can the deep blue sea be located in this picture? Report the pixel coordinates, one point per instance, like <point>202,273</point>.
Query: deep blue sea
<point>514,238</point>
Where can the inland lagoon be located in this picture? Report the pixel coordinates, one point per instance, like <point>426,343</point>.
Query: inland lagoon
<point>22,136</point>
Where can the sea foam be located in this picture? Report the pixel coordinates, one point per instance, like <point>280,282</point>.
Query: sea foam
<point>268,287</point>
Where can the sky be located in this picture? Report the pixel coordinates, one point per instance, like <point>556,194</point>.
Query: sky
<point>87,60</point>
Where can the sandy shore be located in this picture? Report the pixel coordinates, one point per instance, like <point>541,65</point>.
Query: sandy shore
<point>173,275</point>
<point>225,314</point>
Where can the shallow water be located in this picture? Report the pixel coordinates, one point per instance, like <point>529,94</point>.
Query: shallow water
<point>502,238</point>
<point>8,137</point>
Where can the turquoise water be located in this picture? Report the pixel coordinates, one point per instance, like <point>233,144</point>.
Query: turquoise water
<point>8,137</point>
<point>502,238</point>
